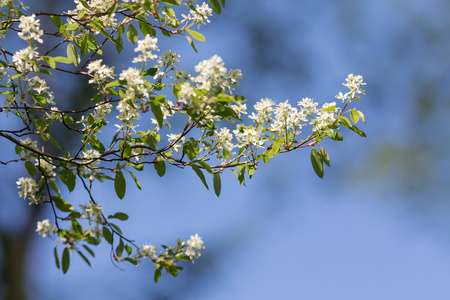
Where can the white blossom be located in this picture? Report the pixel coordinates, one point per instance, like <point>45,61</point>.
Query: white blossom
<point>27,189</point>
<point>146,46</point>
<point>30,28</point>
<point>44,228</point>
<point>92,212</point>
<point>308,106</point>
<point>147,251</point>
<point>179,145</point>
<point>194,245</point>
<point>46,167</point>
<point>23,59</point>
<point>247,136</point>
<point>101,72</point>
<point>264,111</point>
<point>287,119</point>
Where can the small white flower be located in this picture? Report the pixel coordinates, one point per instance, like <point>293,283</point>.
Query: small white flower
<point>147,251</point>
<point>194,245</point>
<point>146,46</point>
<point>44,228</point>
<point>30,28</point>
<point>101,72</point>
<point>27,189</point>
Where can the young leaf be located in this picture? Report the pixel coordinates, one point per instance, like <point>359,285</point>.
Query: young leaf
<point>317,162</point>
<point>65,260</point>
<point>217,183</point>
<point>72,54</point>
<point>68,178</point>
<point>196,35</point>
<point>120,184</point>
<point>158,114</point>
<point>119,248</point>
<point>325,156</point>
<point>200,175</point>
<point>89,250</point>
<point>107,234</point>
<point>84,257</point>
<point>119,215</point>
<point>135,180</point>
<point>160,168</point>
<point>191,43</point>
<point>132,34</point>
<point>55,252</point>
<point>157,275</point>
<point>56,20</point>
<point>354,115</point>
<point>30,168</point>
<point>216,6</point>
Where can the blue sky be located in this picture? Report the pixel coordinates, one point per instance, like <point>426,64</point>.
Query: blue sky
<point>365,231</point>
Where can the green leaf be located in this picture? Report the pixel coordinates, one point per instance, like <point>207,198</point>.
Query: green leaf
<point>120,184</point>
<point>157,275</point>
<point>73,55</point>
<point>317,163</point>
<point>335,136</point>
<point>354,115</point>
<point>135,180</point>
<point>56,20</point>
<point>151,141</point>
<point>132,34</point>
<point>50,60</point>
<point>68,119</point>
<point>84,257</point>
<point>200,175</point>
<point>30,168</point>
<point>344,121</point>
<point>191,43</point>
<point>65,260</point>
<point>61,204</point>
<point>119,215</point>
<point>325,156</point>
<point>358,131</point>
<point>217,183</point>
<point>68,178</point>
<point>116,227</point>
<point>157,113</point>
<point>132,261</point>
<point>55,253</point>
<point>196,35</point>
<point>216,6</point>
<point>39,98</point>
<point>146,29</point>
<point>128,249</point>
<point>160,168</point>
<point>62,59</point>
<point>84,44</point>
<point>223,3</point>
<point>119,248</point>
<point>89,250</point>
<point>170,2</point>
<point>107,234</point>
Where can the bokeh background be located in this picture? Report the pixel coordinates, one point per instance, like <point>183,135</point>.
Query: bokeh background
<point>376,227</point>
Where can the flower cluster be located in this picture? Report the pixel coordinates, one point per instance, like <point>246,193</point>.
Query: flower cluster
<point>199,15</point>
<point>30,29</point>
<point>214,75</point>
<point>93,212</point>
<point>100,72</point>
<point>146,46</point>
<point>27,189</point>
<point>194,245</point>
<point>24,59</point>
<point>44,228</point>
